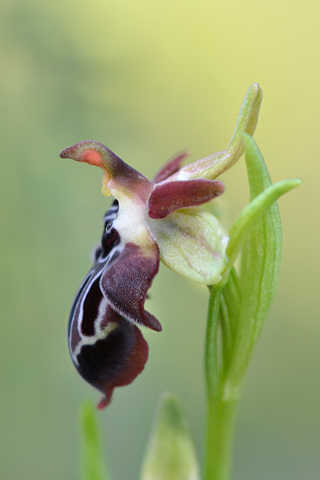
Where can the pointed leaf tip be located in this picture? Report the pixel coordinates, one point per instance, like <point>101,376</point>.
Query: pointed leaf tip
<point>170,454</point>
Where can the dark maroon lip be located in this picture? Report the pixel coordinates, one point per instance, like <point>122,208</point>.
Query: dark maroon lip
<point>111,300</point>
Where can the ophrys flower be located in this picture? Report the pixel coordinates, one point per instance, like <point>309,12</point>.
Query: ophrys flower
<point>148,222</point>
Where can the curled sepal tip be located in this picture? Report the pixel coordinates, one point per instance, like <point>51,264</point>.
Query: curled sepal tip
<point>119,178</point>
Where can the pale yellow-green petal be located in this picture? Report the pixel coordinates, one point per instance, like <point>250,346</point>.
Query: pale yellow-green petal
<point>192,243</point>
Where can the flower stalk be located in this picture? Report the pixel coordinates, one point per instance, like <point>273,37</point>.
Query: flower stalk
<point>220,413</point>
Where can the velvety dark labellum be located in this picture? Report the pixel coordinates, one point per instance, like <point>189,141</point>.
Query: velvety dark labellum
<point>115,360</point>
<point>105,344</point>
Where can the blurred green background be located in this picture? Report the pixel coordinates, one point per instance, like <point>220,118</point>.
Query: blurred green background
<point>149,79</point>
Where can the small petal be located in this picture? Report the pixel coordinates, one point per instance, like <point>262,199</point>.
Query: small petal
<point>170,168</point>
<point>192,243</point>
<point>125,283</point>
<point>170,196</point>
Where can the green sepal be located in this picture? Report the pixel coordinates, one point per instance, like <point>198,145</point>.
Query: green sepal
<point>260,224</point>
<point>170,454</point>
<point>214,165</point>
<point>247,120</point>
<point>92,461</point>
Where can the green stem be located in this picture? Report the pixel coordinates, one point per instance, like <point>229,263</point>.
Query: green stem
<point>221,411</point>
<point>221,416</point>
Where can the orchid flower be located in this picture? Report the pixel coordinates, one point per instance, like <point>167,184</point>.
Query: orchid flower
<point>147,222</point>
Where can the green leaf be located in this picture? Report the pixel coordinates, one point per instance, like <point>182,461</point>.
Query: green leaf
<point>92,462</point>
<point>229,313</point>
<point>250,216</point>
<point>170,454</point>
<point>211,349</point>
<point>260,224</point>
<point>267,235</point>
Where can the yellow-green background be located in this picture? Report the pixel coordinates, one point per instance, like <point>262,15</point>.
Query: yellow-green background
<point>148,78</point>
